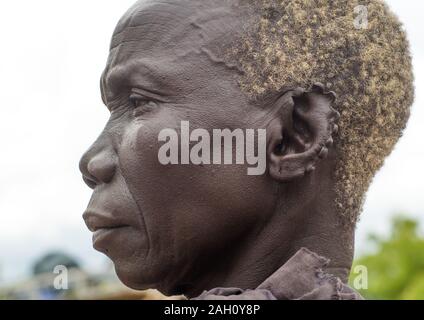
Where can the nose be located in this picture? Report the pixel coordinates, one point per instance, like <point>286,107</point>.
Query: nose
<point>98,165</point>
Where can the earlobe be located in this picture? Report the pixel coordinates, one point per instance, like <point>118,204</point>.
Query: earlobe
<point>302,133</point>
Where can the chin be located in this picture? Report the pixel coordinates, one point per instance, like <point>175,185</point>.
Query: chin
<point>138,277</point>
<point>133,277</point>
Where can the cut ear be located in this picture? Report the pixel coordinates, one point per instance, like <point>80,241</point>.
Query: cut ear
<point>302,131</point>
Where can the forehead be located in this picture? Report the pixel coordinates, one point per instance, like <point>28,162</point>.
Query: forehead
<point>153,24</point>
<point>170,41</point>
<point>169,29</point>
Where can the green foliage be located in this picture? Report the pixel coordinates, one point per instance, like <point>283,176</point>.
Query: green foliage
<point>396,269</point>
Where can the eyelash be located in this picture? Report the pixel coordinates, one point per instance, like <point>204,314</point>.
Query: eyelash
<point>141,104</point>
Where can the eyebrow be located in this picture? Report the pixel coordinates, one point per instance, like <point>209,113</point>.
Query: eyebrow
<point>141,74</point>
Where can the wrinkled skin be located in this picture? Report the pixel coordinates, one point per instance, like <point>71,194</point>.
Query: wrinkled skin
<point>187,228</point>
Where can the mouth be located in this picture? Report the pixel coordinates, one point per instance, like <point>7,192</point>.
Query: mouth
<point>102,237</point>
<point>98,222</point>
<point>104,227</point>
<point>98,228</point>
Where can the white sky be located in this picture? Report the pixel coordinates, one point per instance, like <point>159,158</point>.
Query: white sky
<point>51,56</point>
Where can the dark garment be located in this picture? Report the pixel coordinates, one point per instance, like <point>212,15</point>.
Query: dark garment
<point>300,278</point>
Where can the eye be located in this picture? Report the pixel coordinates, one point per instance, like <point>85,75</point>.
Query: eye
<point>141,104</point>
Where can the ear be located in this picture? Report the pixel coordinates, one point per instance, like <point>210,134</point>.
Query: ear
<point>302,131</point>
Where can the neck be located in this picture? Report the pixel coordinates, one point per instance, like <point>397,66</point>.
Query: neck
<point>250,264</point>
<point>315,224</point>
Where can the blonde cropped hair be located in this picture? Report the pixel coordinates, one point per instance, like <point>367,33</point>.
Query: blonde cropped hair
<point>364,59</point>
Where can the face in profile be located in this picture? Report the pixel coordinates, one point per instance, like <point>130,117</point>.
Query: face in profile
<point>163,225</point>
<point>182,226</point>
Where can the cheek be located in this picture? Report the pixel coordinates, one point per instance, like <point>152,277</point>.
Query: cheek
<point>185,206</point>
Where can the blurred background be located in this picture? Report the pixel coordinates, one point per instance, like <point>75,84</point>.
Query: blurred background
<point>51,56</point>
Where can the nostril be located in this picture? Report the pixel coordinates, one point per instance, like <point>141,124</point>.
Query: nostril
<point>98,165</point>
<point>91,183</point>
<point>101,168</point>
<point>89,180</point>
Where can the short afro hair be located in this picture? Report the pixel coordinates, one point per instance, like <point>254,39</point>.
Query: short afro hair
<point>291,43</point>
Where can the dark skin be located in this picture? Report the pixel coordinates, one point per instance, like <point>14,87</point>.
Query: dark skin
<point>187,228</point>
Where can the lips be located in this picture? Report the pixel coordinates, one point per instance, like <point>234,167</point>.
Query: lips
<point>96,222</point>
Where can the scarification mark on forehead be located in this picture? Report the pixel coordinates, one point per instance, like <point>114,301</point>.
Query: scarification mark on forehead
<point>155,18</point>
